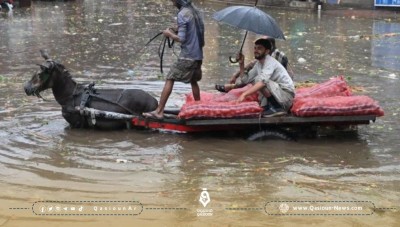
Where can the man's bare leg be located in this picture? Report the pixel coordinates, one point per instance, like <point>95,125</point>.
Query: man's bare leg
<point>229,87</point>
<point>195,91</point>
<point>166,92</point>
<point>225,87</point>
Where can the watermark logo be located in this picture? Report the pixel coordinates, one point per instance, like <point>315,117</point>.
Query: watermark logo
<point>204,197</point>
<point>204,200</point>
<point>89,208</point>
<point>319,208</point>
<point>283,208</point>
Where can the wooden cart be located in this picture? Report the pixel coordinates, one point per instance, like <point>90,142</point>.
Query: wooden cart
<point>258,127</point>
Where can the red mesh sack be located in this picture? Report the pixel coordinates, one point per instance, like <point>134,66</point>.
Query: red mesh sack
<point>232,95</point>
<point>334,87</point>
<point>204,96</point>
<point>219,110</point>
<point>336,106</point>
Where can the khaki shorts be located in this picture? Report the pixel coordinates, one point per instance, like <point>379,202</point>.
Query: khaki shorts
<point>282,96</point>
<point>185,71</point>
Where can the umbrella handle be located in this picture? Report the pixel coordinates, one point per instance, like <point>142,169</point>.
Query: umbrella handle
<point>233,60</point>
<point>240,51</point>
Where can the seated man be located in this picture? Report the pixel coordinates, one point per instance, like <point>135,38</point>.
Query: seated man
<point>6,4</point>
<point>268,77</point>
<point>275,53</point>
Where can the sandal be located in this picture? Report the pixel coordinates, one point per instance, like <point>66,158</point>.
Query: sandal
<point>220,88</point>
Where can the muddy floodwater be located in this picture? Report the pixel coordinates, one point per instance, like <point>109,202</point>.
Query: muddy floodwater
<point>49,171</point>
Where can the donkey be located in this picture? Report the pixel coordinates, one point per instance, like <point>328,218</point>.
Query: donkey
<point>69,94</point>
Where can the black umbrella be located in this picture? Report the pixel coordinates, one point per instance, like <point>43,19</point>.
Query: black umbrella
<point>250,19</point>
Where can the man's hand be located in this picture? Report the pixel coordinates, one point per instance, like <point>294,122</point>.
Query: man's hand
<point>167,32</point>
<point>171,34</point>
<point>241,98</point>
<point>240,58</point>
<point>174,30</point>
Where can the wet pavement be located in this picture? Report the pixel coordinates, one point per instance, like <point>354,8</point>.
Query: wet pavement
<point>42,159</point>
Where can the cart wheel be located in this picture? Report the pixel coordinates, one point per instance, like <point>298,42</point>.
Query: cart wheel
<point>271,134</point>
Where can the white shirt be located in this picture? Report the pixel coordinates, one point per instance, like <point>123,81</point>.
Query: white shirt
<point>272,70</point>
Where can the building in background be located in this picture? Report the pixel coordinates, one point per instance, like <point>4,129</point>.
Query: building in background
<point>329,4</point>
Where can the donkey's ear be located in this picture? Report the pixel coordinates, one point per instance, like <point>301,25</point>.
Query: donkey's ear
<point>43,67</point>
<point>44,54</point>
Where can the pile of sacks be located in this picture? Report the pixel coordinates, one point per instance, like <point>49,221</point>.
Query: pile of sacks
<point>221,105</point>
<point>332,98</point>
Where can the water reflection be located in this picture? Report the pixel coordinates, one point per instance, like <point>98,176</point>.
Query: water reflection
<point>386,45</point>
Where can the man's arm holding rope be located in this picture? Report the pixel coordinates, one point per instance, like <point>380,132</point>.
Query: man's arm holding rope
<point>171,33</point>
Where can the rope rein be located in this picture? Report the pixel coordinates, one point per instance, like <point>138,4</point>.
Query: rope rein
<point>161,50</point>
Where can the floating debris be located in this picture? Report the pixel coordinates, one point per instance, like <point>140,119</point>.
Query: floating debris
<point>301,60</point>
<point>115,24</point>
<point>121,161</point>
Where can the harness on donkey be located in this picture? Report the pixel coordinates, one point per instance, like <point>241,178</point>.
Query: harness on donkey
<point>89,115</point>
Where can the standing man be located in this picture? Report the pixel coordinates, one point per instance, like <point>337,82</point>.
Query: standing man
<point>269,78</point>
<point>187,68</point>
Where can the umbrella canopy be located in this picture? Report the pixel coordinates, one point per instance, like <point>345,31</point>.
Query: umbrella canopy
<point>250,19</point>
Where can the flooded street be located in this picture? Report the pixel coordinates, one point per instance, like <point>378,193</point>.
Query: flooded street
<point>42,159</point>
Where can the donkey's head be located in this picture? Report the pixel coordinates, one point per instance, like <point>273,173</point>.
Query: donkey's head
<point>43,78</point>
